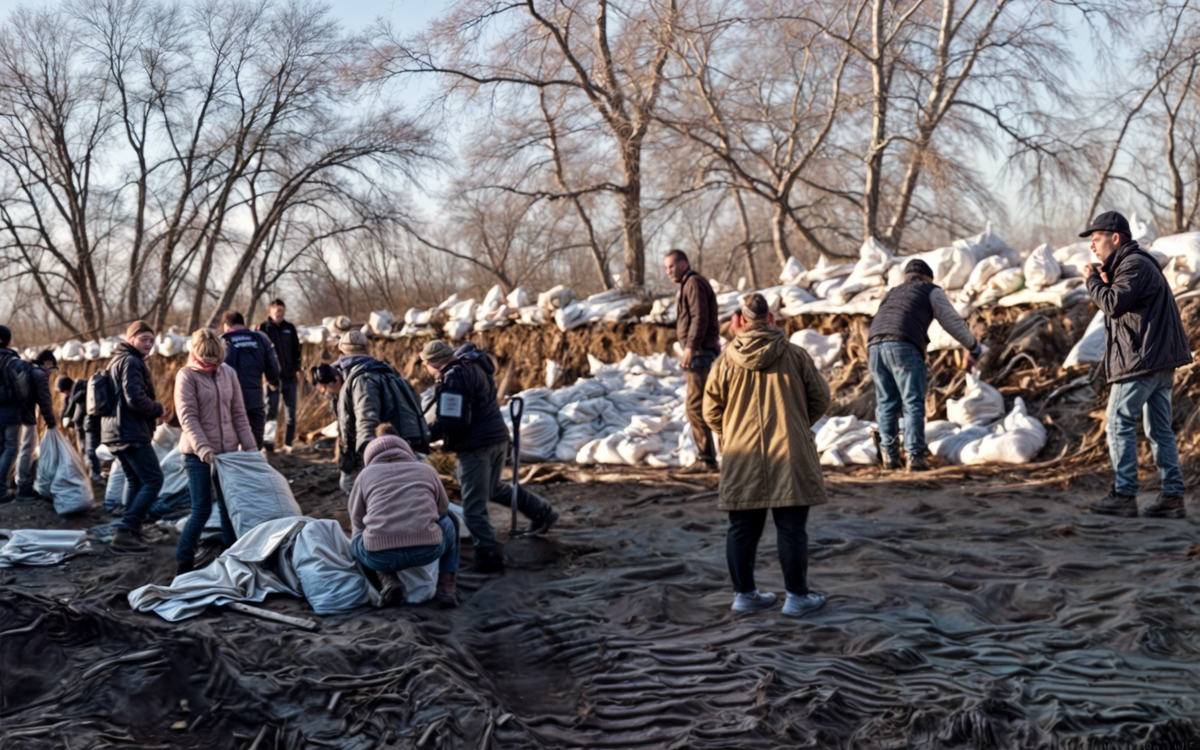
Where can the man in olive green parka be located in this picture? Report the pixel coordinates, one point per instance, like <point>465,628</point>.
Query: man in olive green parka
<point>761,399</point>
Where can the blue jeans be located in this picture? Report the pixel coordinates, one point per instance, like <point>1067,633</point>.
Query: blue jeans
<point>402,558</point>
<point>143,481</point>
<point>10,439</point>
<point>204,489</point>
<point>1150,396</point>
<point>898,370</point>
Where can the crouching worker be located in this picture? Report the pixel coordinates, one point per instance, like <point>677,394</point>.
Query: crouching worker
<point>399,517</point>
<point>761,399</point>
<point>212,413</point>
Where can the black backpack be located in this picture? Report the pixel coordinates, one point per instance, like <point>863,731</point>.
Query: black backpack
<point>401,405</point>
<point>470,353</point>
<point>14,379</point>
<point>101,395</point>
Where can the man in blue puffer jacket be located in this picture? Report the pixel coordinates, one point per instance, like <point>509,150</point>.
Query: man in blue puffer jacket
<point>251,354</point>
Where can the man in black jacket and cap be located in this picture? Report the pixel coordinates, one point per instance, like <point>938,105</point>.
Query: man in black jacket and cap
<point>1144,342</point>
<point>286,341</point>
<point>40,399</point>
<point>896,348</point>
<point>470,423</point>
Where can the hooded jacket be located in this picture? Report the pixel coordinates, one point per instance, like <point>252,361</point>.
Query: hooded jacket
<point>373,393</point>
<point>137,407</point>
<point>211,411</point>
<point>39,397</point>
<point>761,398</point>
<point>487,426</point>
<point>1143,332</point>
<point>396,500</point>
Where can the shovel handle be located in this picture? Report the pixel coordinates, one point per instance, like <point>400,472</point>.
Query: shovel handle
<point>516,407</point>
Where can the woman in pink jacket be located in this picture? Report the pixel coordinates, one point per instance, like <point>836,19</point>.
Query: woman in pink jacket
<point>208,401</point>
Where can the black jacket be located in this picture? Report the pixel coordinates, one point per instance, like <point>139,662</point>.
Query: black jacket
<point>10,413</point>
<point>39,398</point>
<point>251,355</point>
<point>137,408</point>
<point>75,405</point>
<point>479,391</point>
<point>374,393</point>
<point>1143,330</point>
<point>287,346</point>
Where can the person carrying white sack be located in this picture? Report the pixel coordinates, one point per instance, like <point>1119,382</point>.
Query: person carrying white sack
<point>212,413</point>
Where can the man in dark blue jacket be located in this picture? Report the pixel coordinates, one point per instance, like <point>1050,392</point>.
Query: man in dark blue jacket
<point>469,423</point>
<point>284,338</point>
<point>12,369</point>
<point>128,431</point>
<point>250,353</point>
<point>1144,342</point>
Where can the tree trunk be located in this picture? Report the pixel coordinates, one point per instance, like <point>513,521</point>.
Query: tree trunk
<point>779,233</point>
<point>874,160</point>
<point>631,225</point>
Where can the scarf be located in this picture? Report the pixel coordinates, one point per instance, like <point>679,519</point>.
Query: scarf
<point>195,363</point>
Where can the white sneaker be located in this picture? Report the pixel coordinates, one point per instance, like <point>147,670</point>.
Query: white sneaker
<point>798,606</point>
<point>755,601</point>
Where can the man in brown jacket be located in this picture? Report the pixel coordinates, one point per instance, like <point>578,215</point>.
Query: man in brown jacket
<point>698,330</point>
<point>761,400</point>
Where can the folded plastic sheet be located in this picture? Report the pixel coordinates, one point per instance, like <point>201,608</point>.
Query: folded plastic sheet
<point>39,546</point>
<point>299,556</point>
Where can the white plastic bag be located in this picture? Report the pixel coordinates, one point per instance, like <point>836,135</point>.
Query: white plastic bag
<point>981,403</point>
<point>1089,348</point>
<point>62,475</point>
<point>254,492</point>
<point>1042,268</point>
<point>824,350</point>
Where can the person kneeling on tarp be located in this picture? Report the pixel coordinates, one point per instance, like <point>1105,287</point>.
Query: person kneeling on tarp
<point>399,517</point>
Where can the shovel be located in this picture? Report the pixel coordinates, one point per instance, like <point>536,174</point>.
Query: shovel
<point>515,408</point>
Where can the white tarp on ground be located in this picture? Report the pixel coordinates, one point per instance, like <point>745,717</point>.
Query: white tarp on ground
<point>40,546</point>
<point>305,557</point>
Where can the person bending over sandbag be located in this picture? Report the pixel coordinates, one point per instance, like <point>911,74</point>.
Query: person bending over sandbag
<point>370,393</point>
<point>399,517</point>
<point>87,429</point>
<point>470,424</point>
<point>896,348</point>
<point>44,364</point>
<point>761,399</point>
<point>212,413</point>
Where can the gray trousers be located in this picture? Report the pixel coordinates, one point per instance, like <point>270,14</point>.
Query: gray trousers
<point>479,478</point>
<point>27,446</point>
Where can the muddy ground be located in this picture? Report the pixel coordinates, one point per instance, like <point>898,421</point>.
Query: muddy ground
<point>970,610</point>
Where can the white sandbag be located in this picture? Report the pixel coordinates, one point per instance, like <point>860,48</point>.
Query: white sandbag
<point>826,269</point>
<point>254,492</point>
<point>518,297</point>
<point>330,577</point>
<point>456,330</point>
<point>539,435</point>
<point>662,311</point>
<point>824,350</point>
<point>983,272</point>
<point>166,437</point>
<point>420,584</point>
<point>573,438</point>
<point>464,310</point>
<point>1090,347</point>
<point>949,448</point>
<point>1141,232</point>
<point>556,298</point>
<point>1007,281</point>
<point>582,390</point>
<point>175,478</point>
<point>491,303</point>
<point>71,351</point>
<point>62,475</point>
<point>987,244</point>
<point>980,404</point>
<point>170,344</point>
<point>311,334</point>
<point>1017,440</point>
<point>108,346</point>
<point>554,373</point>
<point>91,350</point>
<point>794,272</point>
<point>1042,268</point>
<point>1073,258</point>
<point>114,489</point>
<point>381,322</point>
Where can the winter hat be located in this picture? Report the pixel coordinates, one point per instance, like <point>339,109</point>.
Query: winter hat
<point>755,307</point>
<point>353,342</point>
<point>63,383</point>
<point>916,265</point>
<point>383,443</point>
<point>137,328</point>
<point>340,324</point>
<point>436,352</point>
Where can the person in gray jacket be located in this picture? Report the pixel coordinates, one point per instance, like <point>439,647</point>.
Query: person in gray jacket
<point>1144,342</point>
<point>896,348</point>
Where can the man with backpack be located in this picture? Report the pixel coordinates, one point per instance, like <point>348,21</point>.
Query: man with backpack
<point>39,398</point>
<point>284,338</point>
<point>471,425</point>
<point>14,389</point>
<point>124,399</point>
<point>372,393</point>
<point>251,355</point>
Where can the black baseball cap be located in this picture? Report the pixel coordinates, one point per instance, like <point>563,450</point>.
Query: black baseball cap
<point>1109,221</point>
<point>916,265</point>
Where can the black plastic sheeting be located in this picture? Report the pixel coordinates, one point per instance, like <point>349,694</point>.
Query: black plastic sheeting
<point>958,616</point>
